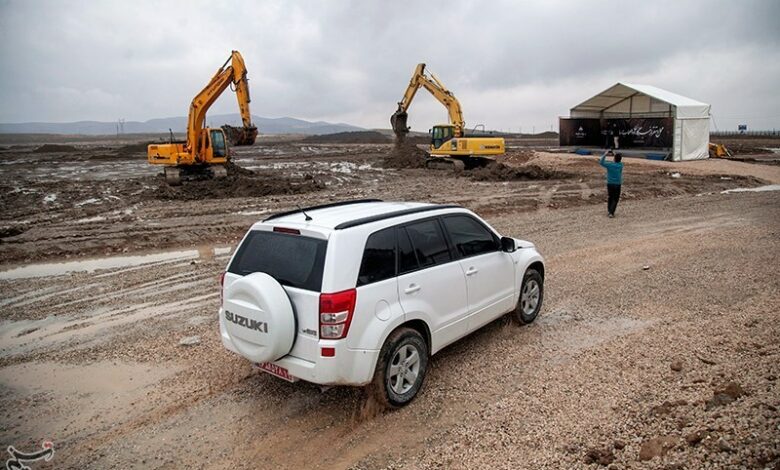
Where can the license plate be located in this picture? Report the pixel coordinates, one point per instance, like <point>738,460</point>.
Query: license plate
<point>277,371</point>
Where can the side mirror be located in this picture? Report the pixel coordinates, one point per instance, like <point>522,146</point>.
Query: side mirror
<point>508,244</point>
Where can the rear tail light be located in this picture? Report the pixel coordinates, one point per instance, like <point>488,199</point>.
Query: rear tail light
<point>221,286</point>
<point>336,313</point>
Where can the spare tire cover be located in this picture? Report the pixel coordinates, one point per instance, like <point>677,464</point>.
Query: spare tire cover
<point>258,317</point>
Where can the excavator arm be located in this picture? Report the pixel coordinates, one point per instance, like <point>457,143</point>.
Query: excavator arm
<point>234,74</point>
<point>436,88</point>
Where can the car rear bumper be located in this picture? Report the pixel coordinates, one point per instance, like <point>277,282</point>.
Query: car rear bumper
<point>346,367</point>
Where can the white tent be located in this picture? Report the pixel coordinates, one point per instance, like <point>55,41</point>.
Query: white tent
<point>691,134</point>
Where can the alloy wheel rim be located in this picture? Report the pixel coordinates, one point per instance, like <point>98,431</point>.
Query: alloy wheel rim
<point>529,298</point>
<point>404,369</point>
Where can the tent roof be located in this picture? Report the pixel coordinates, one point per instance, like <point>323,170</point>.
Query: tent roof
<point>618,93</point>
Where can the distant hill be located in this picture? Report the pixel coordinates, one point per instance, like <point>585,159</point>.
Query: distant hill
<point>283,125</point>
<point>359,137</point>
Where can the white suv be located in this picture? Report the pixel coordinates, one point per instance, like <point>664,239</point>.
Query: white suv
<point>363,292</point>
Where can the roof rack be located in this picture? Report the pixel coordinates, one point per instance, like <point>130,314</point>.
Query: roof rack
<point>390,215</point>
<point>322,206</point>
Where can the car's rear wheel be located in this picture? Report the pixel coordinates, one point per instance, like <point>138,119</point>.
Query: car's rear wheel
<point>531,297</point>
<point>401,368</point>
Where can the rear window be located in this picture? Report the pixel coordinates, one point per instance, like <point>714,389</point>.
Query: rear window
<point>293,260</point>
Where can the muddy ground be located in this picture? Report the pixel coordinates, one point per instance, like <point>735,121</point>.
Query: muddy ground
<point>656,346</point>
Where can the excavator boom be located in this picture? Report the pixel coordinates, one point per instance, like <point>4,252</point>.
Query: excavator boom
<point>233,74</point>
<point>436,88</point>
<point>446,140</point>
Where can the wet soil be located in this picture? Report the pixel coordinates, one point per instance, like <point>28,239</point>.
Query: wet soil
<point>70,205</point>
<point>640,321</point>
<point>51,148</point>
<point>500,172</point>
<point>91,360</point>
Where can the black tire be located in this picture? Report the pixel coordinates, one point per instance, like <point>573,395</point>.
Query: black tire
<point>381,386</point>
<point>531,276</point>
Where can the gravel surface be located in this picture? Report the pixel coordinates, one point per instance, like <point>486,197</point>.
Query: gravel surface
<point>656,347</point>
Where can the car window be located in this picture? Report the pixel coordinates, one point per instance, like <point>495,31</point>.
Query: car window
<point>378,257</point>
<point>293,260</point>
<point>469,236</point>
<point>407,260</point>
<point>429,243</point>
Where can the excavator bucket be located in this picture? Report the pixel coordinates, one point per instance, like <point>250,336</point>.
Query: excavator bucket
<point>398,122</point>
<point>240,135</point>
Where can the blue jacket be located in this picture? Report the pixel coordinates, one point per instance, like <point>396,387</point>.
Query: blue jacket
<point>614,170</point>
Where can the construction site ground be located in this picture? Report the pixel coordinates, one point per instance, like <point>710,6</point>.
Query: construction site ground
<point>656,346</point>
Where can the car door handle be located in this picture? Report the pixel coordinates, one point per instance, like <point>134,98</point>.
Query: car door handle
<point>471,271</point>
<point>411,289</point>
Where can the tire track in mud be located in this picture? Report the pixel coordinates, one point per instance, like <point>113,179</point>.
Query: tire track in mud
<point>115,300</point>
<point>310,420</point>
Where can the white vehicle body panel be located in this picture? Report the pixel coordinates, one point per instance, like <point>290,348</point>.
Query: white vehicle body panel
<point>437,295</point>
<point>450,303</point>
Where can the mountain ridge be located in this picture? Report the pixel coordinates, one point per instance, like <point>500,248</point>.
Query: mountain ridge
<point>281,125</point>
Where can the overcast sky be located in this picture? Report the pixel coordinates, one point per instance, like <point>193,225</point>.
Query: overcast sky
<point>511,64</point>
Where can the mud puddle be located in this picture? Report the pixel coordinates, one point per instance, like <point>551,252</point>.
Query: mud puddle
<point>72,399</point>
<point>113,262</point>
<point>760,189</point>
<point>96,327</point>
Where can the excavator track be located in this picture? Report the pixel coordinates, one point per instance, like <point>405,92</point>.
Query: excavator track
<point>444,163</point>
<point>218,171</point>
<point>175,175</point>
<point>172,175</point>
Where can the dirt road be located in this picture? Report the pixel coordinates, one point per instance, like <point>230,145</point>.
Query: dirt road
<point>657,336</point>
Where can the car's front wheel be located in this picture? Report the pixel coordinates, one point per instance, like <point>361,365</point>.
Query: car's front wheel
<point>531,296</point>
<point>401,368</point>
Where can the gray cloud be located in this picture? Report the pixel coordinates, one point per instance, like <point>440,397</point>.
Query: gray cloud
<point>511,64</point>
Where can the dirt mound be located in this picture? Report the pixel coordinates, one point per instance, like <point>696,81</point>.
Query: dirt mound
<point>405,154</point>
<point>239,183</point>
<point>235,170</point>
<point>544,135</point>
<point>11,231</point>
<point>51,148</point>
<point>359,137</point>
<point>501,172</point>
<point>132,149</point>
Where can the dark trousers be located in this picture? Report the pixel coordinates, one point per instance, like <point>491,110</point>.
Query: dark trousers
<point>613,192</point>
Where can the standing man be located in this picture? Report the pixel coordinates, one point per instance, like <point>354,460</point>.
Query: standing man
<point>614,180</point>
<point>615,131</point>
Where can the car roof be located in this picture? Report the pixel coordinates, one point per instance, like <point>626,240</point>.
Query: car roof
<point>340,215</point>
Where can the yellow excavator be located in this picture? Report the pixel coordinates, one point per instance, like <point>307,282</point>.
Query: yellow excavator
<point>448,141</point>
<point>719,150</point>
<point>205,152</point>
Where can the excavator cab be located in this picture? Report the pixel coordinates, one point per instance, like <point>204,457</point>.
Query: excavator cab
<point>218,146</point>
<point>440,134</point>
<point>213,146</point>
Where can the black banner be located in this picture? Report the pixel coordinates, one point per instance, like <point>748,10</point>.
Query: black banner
<point>643,132</point>
<point>632,132</point>
<point>581,132</point>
